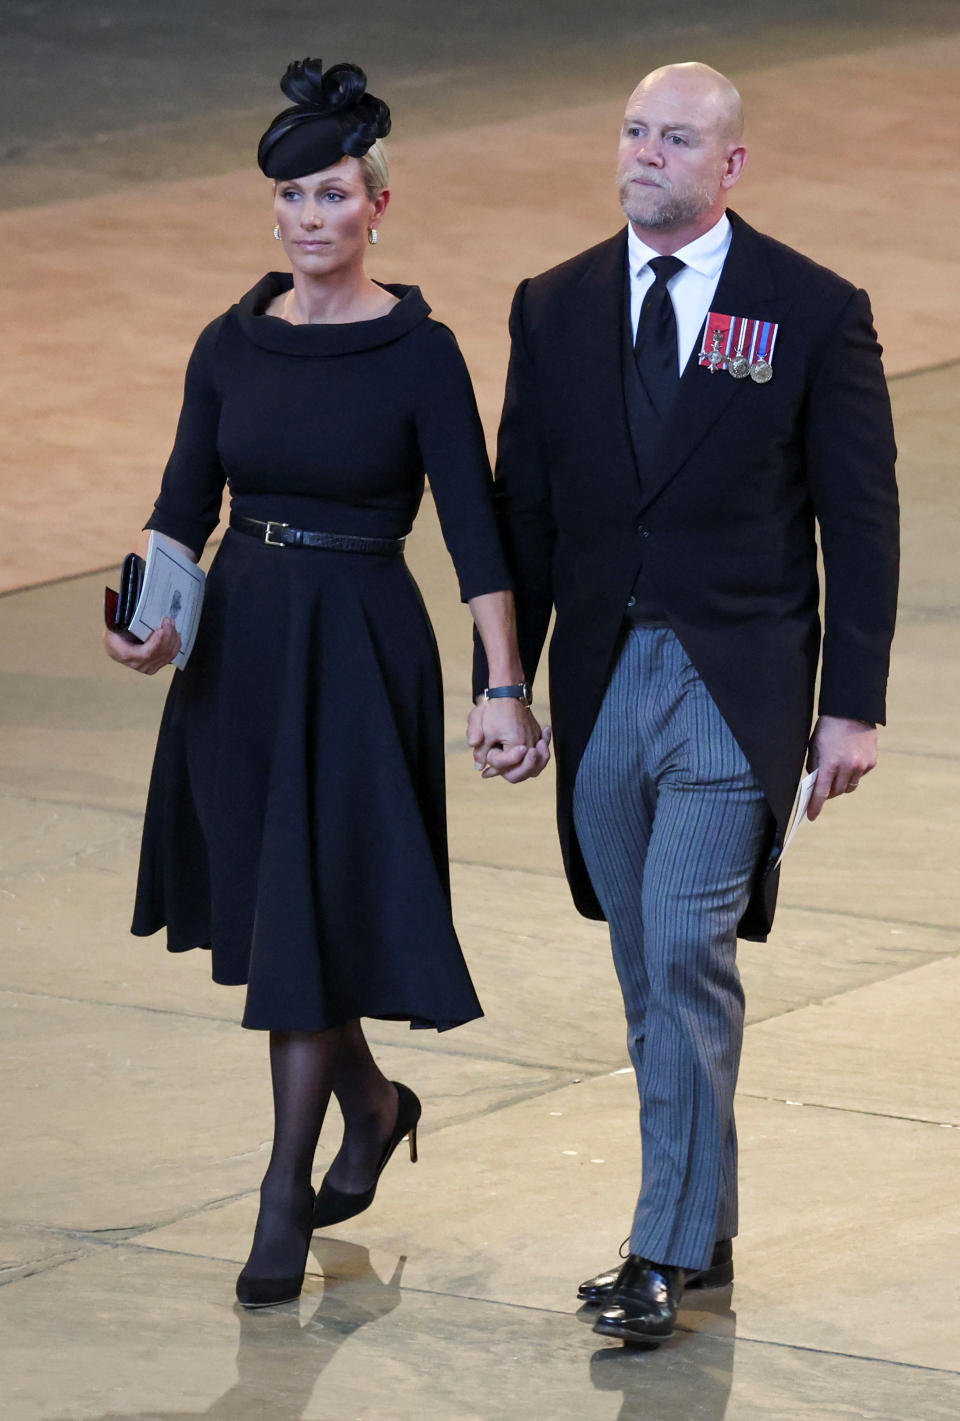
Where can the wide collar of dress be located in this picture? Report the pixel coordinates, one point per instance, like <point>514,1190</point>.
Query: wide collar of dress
<point>273,333</point>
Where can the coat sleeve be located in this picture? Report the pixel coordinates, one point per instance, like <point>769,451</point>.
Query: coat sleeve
<point>850,453</point>
<point>455,457</point>
<point>523,502</point>
<point>188,506</point>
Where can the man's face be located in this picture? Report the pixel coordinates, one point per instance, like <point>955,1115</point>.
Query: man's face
<point>674,146</point>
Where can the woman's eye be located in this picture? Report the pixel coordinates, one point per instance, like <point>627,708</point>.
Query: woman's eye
<point>337,195</point>
<point>288,195</point>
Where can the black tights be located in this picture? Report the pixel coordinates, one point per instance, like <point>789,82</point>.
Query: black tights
<point>306,1067</point>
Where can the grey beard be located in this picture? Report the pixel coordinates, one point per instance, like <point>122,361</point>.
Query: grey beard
<point>674,210</point>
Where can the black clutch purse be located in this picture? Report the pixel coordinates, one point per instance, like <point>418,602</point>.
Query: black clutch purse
<point>119,607</point>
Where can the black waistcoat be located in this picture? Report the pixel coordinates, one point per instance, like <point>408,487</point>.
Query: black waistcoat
<point>644,604</point>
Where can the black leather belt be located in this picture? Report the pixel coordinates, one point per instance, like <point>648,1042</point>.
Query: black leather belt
<point>281,535</point>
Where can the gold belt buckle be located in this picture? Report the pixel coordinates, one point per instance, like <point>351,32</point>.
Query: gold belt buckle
<point>274,542</point>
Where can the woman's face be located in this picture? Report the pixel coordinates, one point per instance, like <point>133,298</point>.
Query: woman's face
<point>324,218</point>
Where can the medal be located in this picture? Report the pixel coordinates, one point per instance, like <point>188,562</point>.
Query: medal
<point>715,355</point>
<point>717,341</point>
<point>741,345</point>
<point>739,366</point>
<point>761,369</point>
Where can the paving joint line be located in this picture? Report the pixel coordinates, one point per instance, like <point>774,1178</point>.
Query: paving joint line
<point>14,792</point>
<point>828,1352</point>
<point>743,1095</point>
<point>847,1109</point>
<point>924,370</point>
<point>869,917</point>
<point>429,1050</point>
<point>901,971</point>
<point>921,754</point>
<point>500,1303</point>
<point>552,874</point>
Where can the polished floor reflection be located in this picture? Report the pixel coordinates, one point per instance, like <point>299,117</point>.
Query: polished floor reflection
<point>135,1113</point>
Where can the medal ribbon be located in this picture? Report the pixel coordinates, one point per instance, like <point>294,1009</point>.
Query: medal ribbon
<point>768,339</point>
<point>746,336</point>
<point>716,323</point>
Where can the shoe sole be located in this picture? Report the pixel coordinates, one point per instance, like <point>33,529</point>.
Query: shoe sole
<point>274,1303</point>
<point>720,1276</point>
<point>632,1339</point>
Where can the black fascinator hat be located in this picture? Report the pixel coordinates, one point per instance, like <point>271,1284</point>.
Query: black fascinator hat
<point>332,116</point>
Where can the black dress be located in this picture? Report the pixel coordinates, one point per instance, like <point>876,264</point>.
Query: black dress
<point>296,817</point>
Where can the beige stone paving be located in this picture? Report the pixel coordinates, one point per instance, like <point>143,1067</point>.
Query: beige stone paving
<point>892,1048</point>
<point>118,1119</point>
<point>361,1349</point>
<point>542,1184</point>
<point>25,1251</point>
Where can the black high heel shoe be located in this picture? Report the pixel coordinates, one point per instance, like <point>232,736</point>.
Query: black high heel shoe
<point>334,1205</point>
<point>255,1292</point>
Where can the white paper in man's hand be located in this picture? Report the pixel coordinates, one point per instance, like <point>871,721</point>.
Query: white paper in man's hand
<point>804,794</point>
<point>172,587</point>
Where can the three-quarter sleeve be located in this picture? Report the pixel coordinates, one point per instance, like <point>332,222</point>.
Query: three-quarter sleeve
<point>455,457</point>
<point>188,506</point>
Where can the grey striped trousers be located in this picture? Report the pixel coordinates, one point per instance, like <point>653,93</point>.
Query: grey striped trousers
<point>671,822</point>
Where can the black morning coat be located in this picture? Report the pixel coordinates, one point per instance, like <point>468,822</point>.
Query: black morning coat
<point>719,503</point>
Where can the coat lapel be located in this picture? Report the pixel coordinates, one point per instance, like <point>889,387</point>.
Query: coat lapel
<point>745,289</point>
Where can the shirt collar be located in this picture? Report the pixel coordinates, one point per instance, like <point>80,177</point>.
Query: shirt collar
<point>705,254</point>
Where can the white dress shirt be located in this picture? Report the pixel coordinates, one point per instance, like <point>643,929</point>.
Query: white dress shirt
<point>691,290</point>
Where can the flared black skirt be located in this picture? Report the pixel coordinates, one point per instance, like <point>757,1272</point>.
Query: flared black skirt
<point>295,822</point>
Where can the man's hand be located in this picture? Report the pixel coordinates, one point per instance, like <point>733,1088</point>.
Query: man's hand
<point>843,751</point>
<point>506,740</point>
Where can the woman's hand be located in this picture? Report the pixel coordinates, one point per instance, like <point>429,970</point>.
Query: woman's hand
<point>148,656</point>
<point>507,741</point>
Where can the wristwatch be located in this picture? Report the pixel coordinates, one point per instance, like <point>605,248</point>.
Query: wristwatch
<point>518,692</point>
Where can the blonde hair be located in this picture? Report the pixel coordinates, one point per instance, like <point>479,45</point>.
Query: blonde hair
<point>376,170</point>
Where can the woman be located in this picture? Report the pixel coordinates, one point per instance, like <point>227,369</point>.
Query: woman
<point>295,823</point>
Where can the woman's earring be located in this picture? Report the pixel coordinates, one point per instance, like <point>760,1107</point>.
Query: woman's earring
<point>373,236</point>
<point>276,234</point>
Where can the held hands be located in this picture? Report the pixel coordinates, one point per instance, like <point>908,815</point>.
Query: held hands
<point>843,751</point>
<point>148,656</point>
<point>506,740</point>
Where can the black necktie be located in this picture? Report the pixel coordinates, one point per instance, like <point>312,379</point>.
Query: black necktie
<point>655,348</point>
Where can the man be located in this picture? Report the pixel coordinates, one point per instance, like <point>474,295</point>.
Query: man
<point>685,402</point>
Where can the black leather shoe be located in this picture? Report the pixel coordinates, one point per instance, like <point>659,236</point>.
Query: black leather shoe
<point>643,1304</point>
<point>334,1205</point>
<point>717,1274</point>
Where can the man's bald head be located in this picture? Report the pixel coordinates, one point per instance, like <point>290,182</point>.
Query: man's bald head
<point>680,151</point>
<point>707,89</point>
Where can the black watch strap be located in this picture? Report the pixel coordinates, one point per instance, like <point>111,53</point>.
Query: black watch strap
<point>520,691</point>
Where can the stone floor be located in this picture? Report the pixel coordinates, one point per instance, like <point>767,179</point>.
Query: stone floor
<point>135,1116</point>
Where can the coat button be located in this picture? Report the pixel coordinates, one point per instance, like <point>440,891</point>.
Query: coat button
<point>643,531</point>
<point>631,601</point>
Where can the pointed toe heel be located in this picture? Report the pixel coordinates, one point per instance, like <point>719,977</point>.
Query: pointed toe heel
<point>335,1206</point>
<point>254,1292</point>
<point>268,1292</point>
